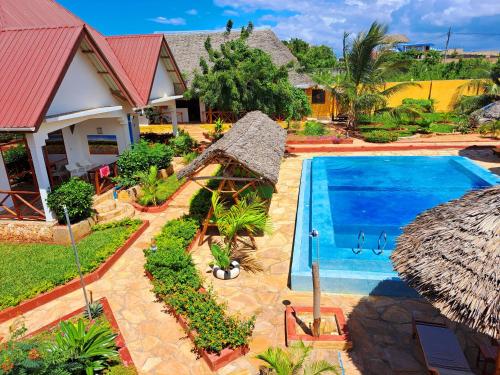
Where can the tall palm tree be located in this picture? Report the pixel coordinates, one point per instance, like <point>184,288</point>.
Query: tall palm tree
<point>367,63</point>
<point>293,361</point>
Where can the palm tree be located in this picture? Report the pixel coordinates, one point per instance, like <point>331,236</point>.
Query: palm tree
<point>249,214</point>
<point>293,361</point>
<point>367,63</point>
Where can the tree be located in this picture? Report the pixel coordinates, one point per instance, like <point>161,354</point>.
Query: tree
<point>239,78</point>
<point>293,361</point>
<point>312,58</point>
<point>367,63</point>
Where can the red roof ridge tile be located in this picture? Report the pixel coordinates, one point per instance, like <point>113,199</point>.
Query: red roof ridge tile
<point>34,28</point>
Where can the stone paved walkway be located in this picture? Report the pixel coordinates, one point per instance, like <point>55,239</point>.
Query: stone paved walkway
<point>379,326</point>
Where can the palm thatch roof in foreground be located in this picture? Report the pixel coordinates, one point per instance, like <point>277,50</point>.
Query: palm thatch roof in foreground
<point>255,141</point>
<point>451,255</point>
<point>489,113</point>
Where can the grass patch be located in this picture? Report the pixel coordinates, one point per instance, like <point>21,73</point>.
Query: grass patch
<point>30,269</point>
<point>441,128</point>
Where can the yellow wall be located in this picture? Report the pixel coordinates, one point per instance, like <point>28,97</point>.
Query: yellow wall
<point>444,93</point>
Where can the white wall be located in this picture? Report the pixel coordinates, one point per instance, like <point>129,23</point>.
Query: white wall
<point>76,143</point>
<point>82,88</point>
<point>162,84</point>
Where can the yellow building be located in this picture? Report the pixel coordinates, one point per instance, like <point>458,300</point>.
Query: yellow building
<point>444,92</point>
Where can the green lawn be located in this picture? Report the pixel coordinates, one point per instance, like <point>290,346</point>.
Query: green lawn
<point>29,269</point>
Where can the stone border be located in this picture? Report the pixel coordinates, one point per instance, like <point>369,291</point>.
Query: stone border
<point>108,312</point>
<point>214,361</point>
<point>61,290</point>
<point>318,140</point>
<point>291,327</point>
<point>393,147</point>
<point>164,205</point>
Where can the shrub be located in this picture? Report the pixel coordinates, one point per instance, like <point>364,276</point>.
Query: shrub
<point>380,136</point>
<point>182,144</point>
<point>154,190</point>
<point>139,158</point>
<point>189,157</point>
<point>313,128</point>
<point>465,105</point>
<point>76,195</point>
<point>177,282</point>
<point>16,156</point>
<point>490,128</point>
<point>426,105</point>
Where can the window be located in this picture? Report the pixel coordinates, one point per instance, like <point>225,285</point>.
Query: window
<point>318,96</point>
<point>100,144</point>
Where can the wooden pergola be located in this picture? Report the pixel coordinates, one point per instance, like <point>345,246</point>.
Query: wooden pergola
<point>249,154</point>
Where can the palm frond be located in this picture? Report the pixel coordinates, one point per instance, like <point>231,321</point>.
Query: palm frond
<point>388,92</point>
<point>278,360</point>
<point>320,367</point>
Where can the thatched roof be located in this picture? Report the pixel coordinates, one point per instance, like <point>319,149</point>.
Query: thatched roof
<point>188,47</point>
<point>396,38</point>
<point>488,113</point>
<point>451,255</point>
<point>255,141</point>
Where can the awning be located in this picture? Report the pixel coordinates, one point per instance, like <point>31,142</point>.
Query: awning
<point>81,115</point>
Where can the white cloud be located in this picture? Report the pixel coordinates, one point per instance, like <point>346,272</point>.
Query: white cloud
<point>169,21</point>
<point>324,21</point>
<point>192,12</point>
<point>230,12</point>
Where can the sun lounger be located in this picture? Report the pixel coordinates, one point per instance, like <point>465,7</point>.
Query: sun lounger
<point>442,352</point>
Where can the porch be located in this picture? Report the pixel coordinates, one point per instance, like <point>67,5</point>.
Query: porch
<point>84,144</point>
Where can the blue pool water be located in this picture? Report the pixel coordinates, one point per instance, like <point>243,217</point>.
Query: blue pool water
<point>359,206</point>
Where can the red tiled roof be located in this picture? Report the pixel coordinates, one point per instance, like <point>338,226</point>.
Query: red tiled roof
<point>139,57</point>
<point>38,39</point>
<point>32,63</point>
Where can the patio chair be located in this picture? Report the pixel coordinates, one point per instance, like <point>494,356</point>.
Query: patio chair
<point>442,352</point>
<point>74,169</point>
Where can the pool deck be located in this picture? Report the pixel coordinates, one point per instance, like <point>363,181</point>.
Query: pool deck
<point>379,326</point>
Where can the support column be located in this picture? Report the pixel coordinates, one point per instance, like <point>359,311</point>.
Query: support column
<point>174,118</point>
<point>73,146</point>
<point>127,136</point>
<point>35,142</point>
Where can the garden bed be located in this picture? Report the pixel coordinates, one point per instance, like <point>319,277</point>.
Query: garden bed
<point>162,207</point>
<point>178,285</point>
<point>30,352</point>
<point>97,256</point>
<point>294,139</point>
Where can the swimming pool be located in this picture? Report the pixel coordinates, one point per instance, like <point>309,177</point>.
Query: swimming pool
<point>359,205</point>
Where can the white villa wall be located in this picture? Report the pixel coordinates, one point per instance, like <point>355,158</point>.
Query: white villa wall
<point>82,88</point>
<point>162,84</point>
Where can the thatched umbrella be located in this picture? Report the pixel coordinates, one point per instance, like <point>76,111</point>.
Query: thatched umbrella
<point>451,255</point>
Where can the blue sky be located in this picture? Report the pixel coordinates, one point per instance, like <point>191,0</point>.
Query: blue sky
<point>475,23</point>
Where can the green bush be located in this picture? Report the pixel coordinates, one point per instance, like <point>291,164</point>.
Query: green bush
<point>182,144</point>
<point>139,158</point>
<point>76,195</point>
<point>17,155</point>
<point>189,157</point>
<point>426,105</point>
<point>380,136</point>
<point>490,128</point>
<point>313,128</point>
<point>177,282</point>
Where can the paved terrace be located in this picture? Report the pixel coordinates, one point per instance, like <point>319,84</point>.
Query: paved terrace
<point>379,326</point>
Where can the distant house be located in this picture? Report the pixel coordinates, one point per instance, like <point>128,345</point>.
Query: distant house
<point>188,48</point>
<point>455,54</point>
<point>70,96</point>
<point>401,43</point>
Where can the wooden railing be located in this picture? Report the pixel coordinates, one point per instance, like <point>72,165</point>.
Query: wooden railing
<point>21,205</point>
<point>103,183</point>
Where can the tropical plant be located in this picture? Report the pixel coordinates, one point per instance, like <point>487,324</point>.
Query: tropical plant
<point>218,129</point>
<point>139,158</point>
<point>96,310</point>
<point>314,128</point>
<point>189,157</point>
<point>222,255</point>
<point>294,361</point>
<point>380,136</point>
<point>359,88</point>
<point>91,346</point>
<point>76,195</point>
<point>240,78</point>
<point>150,184</point>
<point>183,143</point>
<point>247,214</point>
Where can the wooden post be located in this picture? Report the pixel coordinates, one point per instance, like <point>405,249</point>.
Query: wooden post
<point>316,300</point>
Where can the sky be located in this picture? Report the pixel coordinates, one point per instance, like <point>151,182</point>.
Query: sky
<point>475,24</point>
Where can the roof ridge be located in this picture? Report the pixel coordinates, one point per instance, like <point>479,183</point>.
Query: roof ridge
<point>133,36</point>
<point>40,28</point>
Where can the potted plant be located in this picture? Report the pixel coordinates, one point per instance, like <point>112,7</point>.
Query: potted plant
<point>247,214</point>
